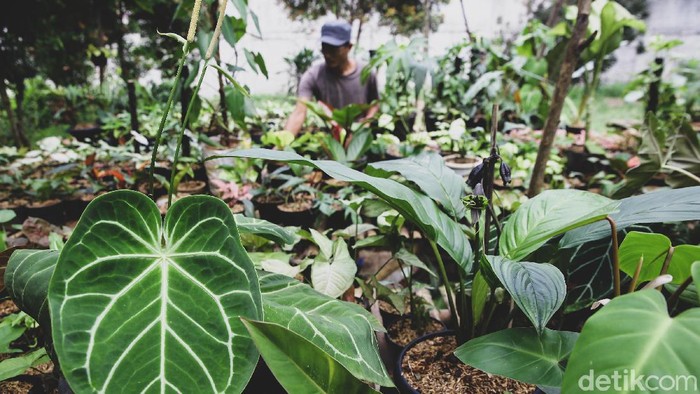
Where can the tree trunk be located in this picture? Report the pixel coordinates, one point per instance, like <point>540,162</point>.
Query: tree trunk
<point>560,91</point>
<point>15,127</point>
<point>554,13</point>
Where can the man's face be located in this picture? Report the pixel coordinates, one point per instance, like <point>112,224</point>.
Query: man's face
<point>335,56</point>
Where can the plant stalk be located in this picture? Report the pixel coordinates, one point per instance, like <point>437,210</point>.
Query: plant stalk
<point>615,257</point>
<point>448,286</point>
<point>635,278</point>
<point>667,262</point>
<point>673,300</point>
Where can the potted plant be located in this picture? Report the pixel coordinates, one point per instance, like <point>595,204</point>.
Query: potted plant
<point>466,144</point>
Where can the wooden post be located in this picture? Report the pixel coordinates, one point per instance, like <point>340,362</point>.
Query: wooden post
<point>560,91</point>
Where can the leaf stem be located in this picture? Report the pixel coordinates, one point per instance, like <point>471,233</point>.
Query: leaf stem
<point>448,286</point>
<point>168,107</point>
<point>673,300</point>
<point>615,257</point>
<point>635,278</point>
<point>667,262</point>
<point>682,171</point>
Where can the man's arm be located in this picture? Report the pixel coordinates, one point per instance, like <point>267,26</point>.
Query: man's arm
<point>296,119</point>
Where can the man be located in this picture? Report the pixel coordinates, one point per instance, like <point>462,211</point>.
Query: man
<point>337,81</point>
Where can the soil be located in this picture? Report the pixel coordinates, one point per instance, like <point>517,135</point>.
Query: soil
<point>237,208</point>
<point>44,203</point>
<point>463,160</point>
<point>296,206</point>
<point>402,333</point>
<point>430,367</point>
<point>271,199</point>
<point>7,307</point>
<point>192,187</point>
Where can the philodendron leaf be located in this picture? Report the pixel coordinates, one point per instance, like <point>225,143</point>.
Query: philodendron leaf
<point>343,330</point>
<point>538,289</point>
<point>265,229</point>
<point>432,176</point>
<point>413,206</point>
<point>27,281</point>
<point>654,249</point>
<point>333,274</point>
<point>521,354</point>
<point>299,365</point>
<point>138,304</point>
<point>551,213</point>
<point>634,335</point>
<point>668,205</point>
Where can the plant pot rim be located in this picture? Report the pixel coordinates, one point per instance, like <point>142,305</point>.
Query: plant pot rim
<point>406,316</point>
<point>398,370</point>
<point>473,160</point>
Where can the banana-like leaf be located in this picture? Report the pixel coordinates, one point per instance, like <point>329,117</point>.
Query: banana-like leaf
<point>299,365</point>
<point>432,176</point>
<point>551,213</point>
<point>521,354</point>
<point>265,229</point>
<point>138,304</point>
<point>538,289</point>
<point>27,281</point>
<point>343,330</point>
<point>670,205</point>
<point>634,334</point>
<point>414,206</point>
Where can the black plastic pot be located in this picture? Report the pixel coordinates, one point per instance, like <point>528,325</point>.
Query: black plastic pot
<point>268,209</point>
<point>401,383</point>
<point>87,135</point>
<point>304,218</point>
<point>395,347</point>
<point>50,210</point>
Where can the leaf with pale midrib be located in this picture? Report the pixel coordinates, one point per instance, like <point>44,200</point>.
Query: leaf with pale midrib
<point>141,305</point>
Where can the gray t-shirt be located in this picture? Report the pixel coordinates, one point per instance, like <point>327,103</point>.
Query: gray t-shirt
<point>322,84</point>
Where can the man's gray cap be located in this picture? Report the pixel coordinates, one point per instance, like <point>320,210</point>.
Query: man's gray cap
<point>336,33</point>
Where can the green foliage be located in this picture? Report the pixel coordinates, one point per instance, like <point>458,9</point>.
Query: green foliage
<point>653,250</point>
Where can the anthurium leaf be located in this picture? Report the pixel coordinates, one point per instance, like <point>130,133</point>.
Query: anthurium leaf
<point>696,275</point>
<point>343,330</point>
<point>681,262</point>
<point>635,333</point>
<point>333,274</point>
<point>12,367</point>
<point>27,281</point>
<point>411,259</point>
<point>414,206</point>
<point>277,262</point>
<point>138,304</point>
<point>265,229</point>
<point>668,205</point>
<point>299,365</point>
<point>521,354</point>
<point>538,289</point>
<point>653,248</point>
<point>549,214</point>
<point>429,172</point>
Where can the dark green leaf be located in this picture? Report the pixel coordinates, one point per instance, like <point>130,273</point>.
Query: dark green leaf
<point>12,367</point>
<point>265,229</point>
<point>27,281</point>
<point>233,29</point>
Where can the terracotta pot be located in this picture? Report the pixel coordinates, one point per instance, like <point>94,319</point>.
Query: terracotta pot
<point>461,165</point>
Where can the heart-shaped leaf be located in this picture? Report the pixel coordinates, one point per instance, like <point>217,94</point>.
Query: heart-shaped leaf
<point>299,365</point>
<point>332,274</point>
<point>343,330</point>
<point>521,354</point>
<point>414,206</point>
<point>549,214</point>
<point>27,278</point>
<point>634,335</point>
<point>654,248</point>
<point>138,305</point>
<point>538,289</point>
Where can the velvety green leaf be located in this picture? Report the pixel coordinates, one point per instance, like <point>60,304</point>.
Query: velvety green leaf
<point>27,281</point>
<point>521,354</point>
<point>635,332</point>
<point>333,273</point>
<point>299,365</point>
<point>432,176</point>
<point>668,205</point>
<point>652,247</point>
<point>276,262</point>
<point>265,229</point>
<point>138,304</point>
<point>549,214</point>
<point>343,330</point>
<point>411,259</point>
<point>416,207</point>
<point>538,289</point>
<point>12,367</point>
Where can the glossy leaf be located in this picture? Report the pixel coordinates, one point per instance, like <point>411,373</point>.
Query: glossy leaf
<point>696,276</point>
<point>480,294</point>
<point>416,207</point>
<point>333,270</point>
<point>521,354</point>
<point>265,229</point>
<point>431,175</point>
<point>411,259</point>
<point>551,213</point>
<point>27,281</point>
<point>276,262</point>
<point>343,330</point>
<point>299,365</point>
<point>538,289</point>
<point>635,332</point>
<point>138,304</point>
<point>668,205</point>
<point>653,248</point>
<point>12,327</point>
